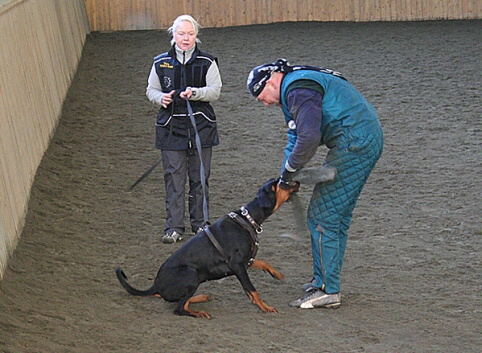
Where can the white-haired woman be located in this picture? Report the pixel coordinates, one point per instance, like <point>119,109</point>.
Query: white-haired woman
<point>184,73</point>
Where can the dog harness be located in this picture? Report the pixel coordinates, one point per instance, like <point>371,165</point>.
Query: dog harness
<point>252,227</point>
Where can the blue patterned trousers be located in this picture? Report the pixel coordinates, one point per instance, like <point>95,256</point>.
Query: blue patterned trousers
<point>332,204</point>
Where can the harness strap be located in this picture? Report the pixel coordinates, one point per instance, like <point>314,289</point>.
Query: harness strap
<point>243,223</point>
<point>216,244</point>
<point>252,232</point>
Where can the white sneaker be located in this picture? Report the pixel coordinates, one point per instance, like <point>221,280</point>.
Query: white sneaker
<point>322,300</point>
<point>171,237</point>
<point>308,286</point>
<point>316,298</point>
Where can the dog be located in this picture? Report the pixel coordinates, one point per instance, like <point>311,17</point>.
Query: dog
<point>225,248</point>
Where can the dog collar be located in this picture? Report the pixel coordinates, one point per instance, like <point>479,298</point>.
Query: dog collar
<point>245,213</point>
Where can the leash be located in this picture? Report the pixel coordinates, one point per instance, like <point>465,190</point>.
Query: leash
<point>143,176</point>
<point>199,151</point>
<point>154,166</point>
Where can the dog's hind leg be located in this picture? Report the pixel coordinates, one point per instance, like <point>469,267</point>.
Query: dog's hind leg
<point>183,307</point>
<point>263,265</point>
<point>201,298</point>
<point>183,283</point>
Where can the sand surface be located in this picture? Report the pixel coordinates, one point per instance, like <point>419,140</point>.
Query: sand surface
<point>412,276</point>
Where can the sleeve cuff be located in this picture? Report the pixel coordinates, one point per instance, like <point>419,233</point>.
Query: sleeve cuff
<point>289,168</point>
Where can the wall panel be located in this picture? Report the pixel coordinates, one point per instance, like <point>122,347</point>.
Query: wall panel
<point>41,45</point>
<point>114,15</point>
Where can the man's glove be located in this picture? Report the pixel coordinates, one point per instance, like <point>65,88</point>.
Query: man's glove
<point>286,181</point>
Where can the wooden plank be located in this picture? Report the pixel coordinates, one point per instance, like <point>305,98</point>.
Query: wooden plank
<point>301,10</point>
<point>241,12</point>
<point>474,8</point>
<point>290,10</point>
<point>458,9</point>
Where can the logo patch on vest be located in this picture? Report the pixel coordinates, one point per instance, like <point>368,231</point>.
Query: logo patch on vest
<point>166,65</point>
<point>167,82</point>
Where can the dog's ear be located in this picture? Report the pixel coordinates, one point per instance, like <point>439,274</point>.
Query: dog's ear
<point>267,194</point>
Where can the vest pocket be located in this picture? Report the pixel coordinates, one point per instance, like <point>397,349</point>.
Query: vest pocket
<point>163,118</point>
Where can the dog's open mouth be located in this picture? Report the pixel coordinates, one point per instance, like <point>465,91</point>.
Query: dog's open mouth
<point>282,195</point>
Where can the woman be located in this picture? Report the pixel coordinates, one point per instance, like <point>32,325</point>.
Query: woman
<point>184,73</point>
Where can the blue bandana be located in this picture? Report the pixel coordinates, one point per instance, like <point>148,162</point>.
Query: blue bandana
<point>261,74</point>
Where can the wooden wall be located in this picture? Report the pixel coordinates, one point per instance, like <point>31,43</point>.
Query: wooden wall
<point>114,15</point>
<point>40,47</point>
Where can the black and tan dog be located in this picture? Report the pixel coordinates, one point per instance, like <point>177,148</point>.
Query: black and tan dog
<point>225,248</point>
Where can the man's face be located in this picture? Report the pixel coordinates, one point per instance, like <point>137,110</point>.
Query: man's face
<point>270,94</point>
<point>185,35</point>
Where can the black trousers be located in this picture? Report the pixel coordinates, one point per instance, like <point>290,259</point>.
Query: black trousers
<point>179,166</point>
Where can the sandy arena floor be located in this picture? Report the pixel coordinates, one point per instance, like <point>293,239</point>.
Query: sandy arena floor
<point>412,277</point>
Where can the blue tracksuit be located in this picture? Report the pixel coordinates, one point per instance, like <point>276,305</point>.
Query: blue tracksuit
<point>325,109</point>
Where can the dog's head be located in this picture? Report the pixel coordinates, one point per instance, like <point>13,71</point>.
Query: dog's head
<point>270,198</point>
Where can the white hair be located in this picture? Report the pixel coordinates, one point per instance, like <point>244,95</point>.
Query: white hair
<point>176,23</point>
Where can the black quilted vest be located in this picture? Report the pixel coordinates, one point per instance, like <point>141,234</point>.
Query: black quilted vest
<point>174,130</point>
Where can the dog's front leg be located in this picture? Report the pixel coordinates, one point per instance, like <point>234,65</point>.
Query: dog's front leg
<point>266,267</point>
<point>256,299</point>
<point>243,277</point>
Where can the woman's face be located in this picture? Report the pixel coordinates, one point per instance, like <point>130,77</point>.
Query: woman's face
<point>185,35</point>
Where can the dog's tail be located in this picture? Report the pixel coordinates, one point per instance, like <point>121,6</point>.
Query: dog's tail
<point>121,276</point>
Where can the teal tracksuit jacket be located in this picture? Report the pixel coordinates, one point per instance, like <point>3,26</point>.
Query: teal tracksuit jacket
<point>350,128</point>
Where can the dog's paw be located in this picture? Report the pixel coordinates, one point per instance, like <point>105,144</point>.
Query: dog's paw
<point>202,314</point>
<point>278,275</point>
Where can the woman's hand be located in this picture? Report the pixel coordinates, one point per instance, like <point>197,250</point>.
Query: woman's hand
<point>167,99</point>
<point>187,94</point>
